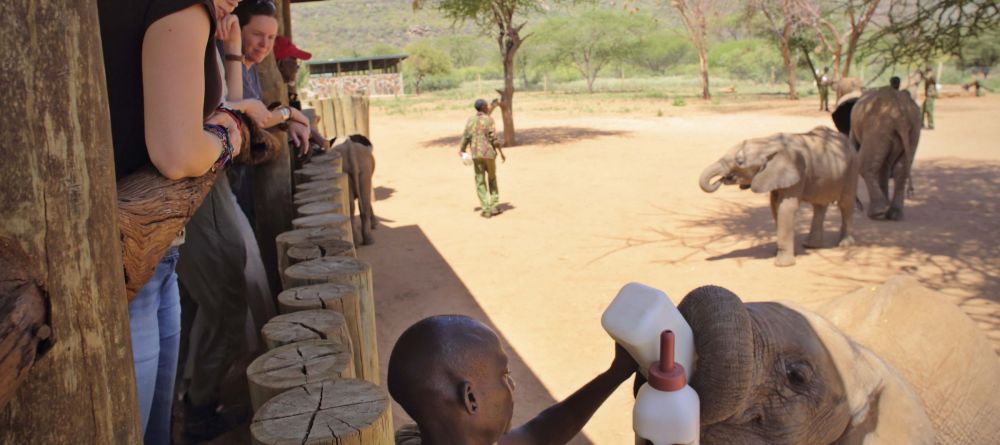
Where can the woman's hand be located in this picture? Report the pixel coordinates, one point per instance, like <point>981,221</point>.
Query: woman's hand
<point>300,136</point>
<point>228,32</point>
<point>254,109</point>
<point>226,120</point>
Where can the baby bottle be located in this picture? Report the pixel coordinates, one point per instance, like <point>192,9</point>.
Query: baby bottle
<point>635,319</point>
<point>667,409</point>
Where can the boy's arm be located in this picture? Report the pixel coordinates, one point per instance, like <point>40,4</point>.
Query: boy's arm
<point>466,137</point>
<point>560,422</point>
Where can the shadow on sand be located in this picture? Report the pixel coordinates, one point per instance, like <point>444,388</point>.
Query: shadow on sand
<point>536,136</point>
<point>413,281</point>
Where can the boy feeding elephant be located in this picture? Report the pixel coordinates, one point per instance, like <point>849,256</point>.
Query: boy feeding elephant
<point>450,374</point>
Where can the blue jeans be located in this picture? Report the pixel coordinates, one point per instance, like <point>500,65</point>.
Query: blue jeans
<point>155,321</point>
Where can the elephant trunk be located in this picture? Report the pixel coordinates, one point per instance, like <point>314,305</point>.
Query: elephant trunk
<point>716,169</point>
<point>723,340</point>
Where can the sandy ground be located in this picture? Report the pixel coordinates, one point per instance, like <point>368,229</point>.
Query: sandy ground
<point>595,201</point>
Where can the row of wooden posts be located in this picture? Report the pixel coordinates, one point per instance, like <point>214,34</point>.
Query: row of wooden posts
<point>319,378</point>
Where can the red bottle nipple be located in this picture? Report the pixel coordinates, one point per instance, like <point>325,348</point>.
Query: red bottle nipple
<point>665,374</point>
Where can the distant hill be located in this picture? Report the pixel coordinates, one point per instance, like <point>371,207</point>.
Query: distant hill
<point>346,28</point>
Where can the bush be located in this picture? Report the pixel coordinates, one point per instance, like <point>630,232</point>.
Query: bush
<point>751,59</point>
<point>679,102</point>
<point>434,83</point>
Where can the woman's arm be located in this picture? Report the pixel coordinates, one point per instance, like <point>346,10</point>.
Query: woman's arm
<point>232,45</point>
<point>173,77</point>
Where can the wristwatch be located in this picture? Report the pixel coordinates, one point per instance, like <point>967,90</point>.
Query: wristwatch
<point>285,113</point>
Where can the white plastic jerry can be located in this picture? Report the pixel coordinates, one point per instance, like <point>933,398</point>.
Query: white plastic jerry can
<point>635,319</point>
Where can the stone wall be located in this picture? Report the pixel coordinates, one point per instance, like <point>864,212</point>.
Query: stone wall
<point>388,84</point>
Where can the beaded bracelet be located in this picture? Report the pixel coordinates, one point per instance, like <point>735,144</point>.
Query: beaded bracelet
<point>227,147</point>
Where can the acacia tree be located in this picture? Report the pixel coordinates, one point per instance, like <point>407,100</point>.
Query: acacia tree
<point>591,40</point>
<point>498,19</point>
<point>693,13</point>
<point>915,31</point>
<point>841,44</point>
<point>783,23</point>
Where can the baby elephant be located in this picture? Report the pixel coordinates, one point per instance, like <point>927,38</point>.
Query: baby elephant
<point>359,166</point>
<point>817,167</point>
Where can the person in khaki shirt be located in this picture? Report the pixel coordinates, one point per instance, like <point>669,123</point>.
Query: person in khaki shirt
<point>481,141</point>
<point>451,375</point>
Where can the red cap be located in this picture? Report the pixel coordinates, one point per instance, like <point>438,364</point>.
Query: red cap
<point>284,48</point>
<point>665,375</point>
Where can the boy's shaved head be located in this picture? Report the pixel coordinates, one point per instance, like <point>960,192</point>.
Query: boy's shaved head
<point>449,372</point>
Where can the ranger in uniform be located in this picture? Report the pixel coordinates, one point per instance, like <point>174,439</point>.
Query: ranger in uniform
<point>481,141</point>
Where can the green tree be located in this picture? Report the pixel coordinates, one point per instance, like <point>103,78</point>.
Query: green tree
<point>592,39</point>
<point>981,54</point>
<point>694,14</point>
<point>662,49</point>
<point>425,60</point>
<point>916,31</point>
<point>503,21</point>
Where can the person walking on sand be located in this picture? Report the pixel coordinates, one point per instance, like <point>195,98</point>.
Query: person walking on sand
<point>481,141</point>
<point>823,84</point>
<point>930,94</point>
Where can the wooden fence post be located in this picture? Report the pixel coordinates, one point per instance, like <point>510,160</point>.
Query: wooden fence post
<point>57,191</point>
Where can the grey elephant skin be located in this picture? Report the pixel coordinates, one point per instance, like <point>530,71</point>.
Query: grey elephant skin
<point>846,85</point>
<point>897,364</point>
<point>818,167</point>
<point>359,166</point>
<point>884,126</point>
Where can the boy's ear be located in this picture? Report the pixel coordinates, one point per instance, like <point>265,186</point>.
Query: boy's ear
<point>469,398</point>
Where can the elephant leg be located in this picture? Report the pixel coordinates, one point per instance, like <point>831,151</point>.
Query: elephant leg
<point>815,239</point>
<point>884,174</point>
<point>774,206</point>
<point>786,231</point>
<point>846,205</point>
<point>902,174</point>
<point>365,207</point>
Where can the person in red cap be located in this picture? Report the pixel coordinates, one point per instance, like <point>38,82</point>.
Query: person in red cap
<point>288,56</point>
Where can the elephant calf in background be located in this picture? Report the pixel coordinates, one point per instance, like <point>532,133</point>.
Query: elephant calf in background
<point>894,365</point>
<point>884,126</point>
<point>817,167</point>
<point>359,166</point>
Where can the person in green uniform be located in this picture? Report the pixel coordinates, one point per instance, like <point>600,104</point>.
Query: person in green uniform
<point>823,84</point>
<point>930,93</point>
<point>481,141</point>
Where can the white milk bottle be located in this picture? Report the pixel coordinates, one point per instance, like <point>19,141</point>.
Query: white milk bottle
<point>667,410</point>
<point>635,319</point>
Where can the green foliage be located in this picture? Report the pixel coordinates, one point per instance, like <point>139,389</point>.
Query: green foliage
<point>748,59</point>
<point>590,40</point>
<point>982,53</point>
<point>425,60</point>
<point>663,49</point>
<point>679,102</point>
<point>480,12</point>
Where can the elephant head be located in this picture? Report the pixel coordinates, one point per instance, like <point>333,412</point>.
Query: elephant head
<point>769,373</point>
<point>761,164</point>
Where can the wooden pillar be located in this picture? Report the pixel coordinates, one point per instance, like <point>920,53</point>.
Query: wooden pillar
<point>337,412</point>
<point>357,273</point>
<point>285,12</point>
<point>273,182</point>
<point>58,200</point>
<point>315,324</point>
<point>294,365</point>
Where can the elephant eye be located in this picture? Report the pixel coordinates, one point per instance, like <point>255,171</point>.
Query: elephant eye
<point>798,373</point>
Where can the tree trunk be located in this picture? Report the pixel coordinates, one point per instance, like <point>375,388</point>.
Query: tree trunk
<point>703,63</point>
<point>506,101</point>
<point>58,203</point>
<point>786,56</point>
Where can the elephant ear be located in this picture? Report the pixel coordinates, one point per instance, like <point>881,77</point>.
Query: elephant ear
<point>779,172</point>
